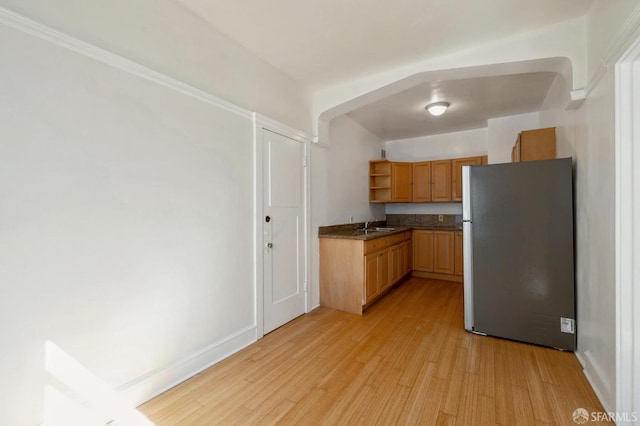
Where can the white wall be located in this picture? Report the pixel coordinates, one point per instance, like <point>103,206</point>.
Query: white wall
<point>340,183</point>
<point>125,225</point>
<point>448,145</point>
<point>502,134</point>
<point>588,134</point>
<point>165,36</point>
<point>469,143</point>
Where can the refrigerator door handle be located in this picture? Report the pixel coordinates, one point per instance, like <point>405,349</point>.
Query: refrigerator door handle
<point>467,228</point>
<point>466,194</point>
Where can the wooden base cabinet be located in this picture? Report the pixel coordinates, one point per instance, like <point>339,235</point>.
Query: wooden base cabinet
<point>459,256</point>
<point>435,255</point>
<point>443,252</point>
<point>354,273</point>
<point>423,251</point>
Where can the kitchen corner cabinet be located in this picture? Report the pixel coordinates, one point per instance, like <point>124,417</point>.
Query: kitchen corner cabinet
<point>443,252</point>
<point>537,144</point>
<point>456,181</point>
<point>441,181</point>
<point>435,254</point>
<point>354,273</point>
<point>423,251</point>
<point>389,182</point>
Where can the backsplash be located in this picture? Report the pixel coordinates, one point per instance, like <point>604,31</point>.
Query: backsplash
<point>448,220</point>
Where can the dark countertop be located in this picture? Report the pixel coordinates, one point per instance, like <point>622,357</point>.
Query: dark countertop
<point>351,233</point>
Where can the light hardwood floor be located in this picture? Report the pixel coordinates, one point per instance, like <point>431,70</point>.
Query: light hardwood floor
<point>407,360</point>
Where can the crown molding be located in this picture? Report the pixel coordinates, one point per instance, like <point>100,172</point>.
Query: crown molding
<point>628,34</point>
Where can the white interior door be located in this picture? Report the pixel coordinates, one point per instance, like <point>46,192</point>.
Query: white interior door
<point>284,229</point>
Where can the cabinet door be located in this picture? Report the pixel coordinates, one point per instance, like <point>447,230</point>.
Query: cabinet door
<point>515,153</point>
<point>422,182</point>
<point>441,180</point>
<point>408,257</point>
<point>538,144</point>
<point>401,182</point>
<point>443,252</point>
<point>459,266</point>
<point>383,269</point>
<point>395,263</point>
<point>456,181</point>
<point>370,277</point>
<point>423,251</point>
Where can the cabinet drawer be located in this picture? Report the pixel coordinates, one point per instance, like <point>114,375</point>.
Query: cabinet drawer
<point>398,238</point>
<point>384,242</point>
<point>373,245</point>
<point>377,244</point>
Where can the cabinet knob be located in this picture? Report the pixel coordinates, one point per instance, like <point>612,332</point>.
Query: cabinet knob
<point>269,245</point>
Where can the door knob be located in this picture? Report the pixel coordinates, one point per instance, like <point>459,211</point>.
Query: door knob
<point>269,245</point>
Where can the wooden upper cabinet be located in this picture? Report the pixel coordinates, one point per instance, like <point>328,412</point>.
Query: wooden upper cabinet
<point>443,252</point>
<point>456,181</point>
<point>537,144</point>
<point>422,182</point>
<point>389,182</point>
<point>401,182</point>
<point>441,180</point>
<point>379,181</point>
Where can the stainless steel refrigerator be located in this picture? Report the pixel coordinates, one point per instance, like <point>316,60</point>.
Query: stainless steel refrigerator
<point>518,252</point>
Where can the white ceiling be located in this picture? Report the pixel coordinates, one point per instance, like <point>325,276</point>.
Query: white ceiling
<point>325,42</point>
<point>473,101</point>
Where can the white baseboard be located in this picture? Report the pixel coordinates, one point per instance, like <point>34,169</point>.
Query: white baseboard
<point>596,378</point>
<point>164,378</point>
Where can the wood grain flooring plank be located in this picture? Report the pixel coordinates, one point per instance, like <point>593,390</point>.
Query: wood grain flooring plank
<point>407,360</point>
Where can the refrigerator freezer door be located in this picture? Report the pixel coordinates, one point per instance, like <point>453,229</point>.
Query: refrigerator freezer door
<point>523,282</point>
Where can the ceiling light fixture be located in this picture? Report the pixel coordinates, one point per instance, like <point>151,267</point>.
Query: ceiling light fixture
<point>437,108</point>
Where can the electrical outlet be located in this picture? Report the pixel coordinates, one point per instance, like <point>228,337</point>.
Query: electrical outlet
<point>440,218</point>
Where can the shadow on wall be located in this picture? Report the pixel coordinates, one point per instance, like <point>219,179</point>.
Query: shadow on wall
<point>77,397</point>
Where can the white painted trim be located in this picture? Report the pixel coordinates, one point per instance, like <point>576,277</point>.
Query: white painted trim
<point>281,128</point>
<point>155,382</point>
<point>58,38</point>
<point>262,122</point>
<point>629,32</point>
<point>258,191</point>
<point>596,378</point>
<point>627,35</point>
<point>627,236</point>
